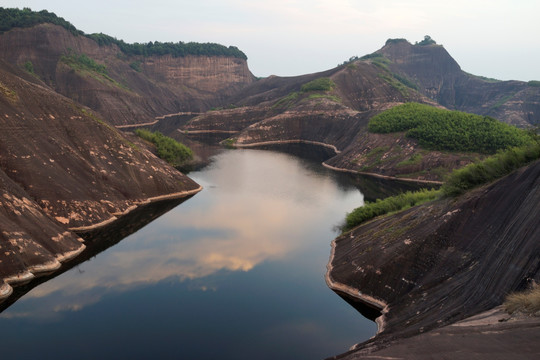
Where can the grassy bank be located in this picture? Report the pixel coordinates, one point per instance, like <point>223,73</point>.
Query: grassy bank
<point>167,148</point>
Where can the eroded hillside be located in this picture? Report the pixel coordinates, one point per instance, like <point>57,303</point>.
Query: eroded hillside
<point>123,88</point>
<point>63,168</point>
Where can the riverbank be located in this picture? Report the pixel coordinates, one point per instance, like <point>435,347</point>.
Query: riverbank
<point>440,263</point>
<point>44,269</point>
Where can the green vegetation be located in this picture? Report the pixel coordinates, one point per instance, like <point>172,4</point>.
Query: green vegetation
<point>527,302</point>
<point>321,84</point>
<point>88,66</point>
<point>136,65</point>
<point>490,169</point>
<point>415,159</point>
<point>167,148</point>
<point>427,41</point>
<point>391,204</point>
<point>83,62</point>
<point>178,49</point>
<point>396,41</point>
<point>313,88</point>
<point>15,18</point>
<point>325,96</point>
<point>11,95</point>
<point>28,66</point>
<point>439,129</point>
<point>533,83</point>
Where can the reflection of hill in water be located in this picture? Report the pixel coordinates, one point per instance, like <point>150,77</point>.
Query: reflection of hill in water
<point>101,239</point>
<point>371,187</point>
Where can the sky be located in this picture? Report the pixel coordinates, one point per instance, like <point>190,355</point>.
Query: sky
<point>493,38</point>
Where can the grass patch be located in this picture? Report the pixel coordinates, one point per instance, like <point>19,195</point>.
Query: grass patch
<point>490,169</point>
<point>229,143</point>
<point>527,302</point>
<point>11,95</point>
<point>391,204</point>
<point>325,96</point>
<point>533,83</point>
<point>439,129</point>
<point>415,159</point>
<point>167,148</point>
<point>85,65</point>
<point>320,84</point>
<point>287,101</point>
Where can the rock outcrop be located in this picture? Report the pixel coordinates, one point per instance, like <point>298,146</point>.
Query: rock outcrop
<point>438,76</point>
<point>131,89</point>
<point>442,262</point>
<point>64,169</point>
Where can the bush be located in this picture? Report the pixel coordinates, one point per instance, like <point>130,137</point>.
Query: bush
<point>167,148</point>
<point>399,202</point>
<point>492,168</point>
<point>440,129</point>
<point>526,302</point>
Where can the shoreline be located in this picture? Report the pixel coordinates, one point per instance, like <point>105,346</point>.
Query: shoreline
<point>34,271</point>
<point>277,142</point>
<point>386,177</point>
<point>354,293</point>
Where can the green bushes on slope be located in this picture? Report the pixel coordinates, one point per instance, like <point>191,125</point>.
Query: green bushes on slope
<point>167,148</point>
<point>440,129</point>
<point>459,181</point>
<point>399,202</point>
<point>492,168</point>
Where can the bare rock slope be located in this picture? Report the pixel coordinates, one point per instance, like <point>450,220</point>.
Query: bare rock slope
<point>441,262</point>
<point>62,168</point>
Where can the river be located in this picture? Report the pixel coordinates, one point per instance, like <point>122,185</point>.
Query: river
<point>236,272</point>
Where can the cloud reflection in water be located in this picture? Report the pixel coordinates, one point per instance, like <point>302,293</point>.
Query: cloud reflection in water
<point>256,206</point>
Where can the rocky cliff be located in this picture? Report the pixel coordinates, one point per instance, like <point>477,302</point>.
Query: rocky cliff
<point>125,89</point>
<point>438,76</point>
<point>64,169</point>
<point>441,262</point>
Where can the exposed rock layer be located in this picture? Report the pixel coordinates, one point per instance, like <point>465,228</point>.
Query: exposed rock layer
<point>442,262</point>
<point>126,93</point>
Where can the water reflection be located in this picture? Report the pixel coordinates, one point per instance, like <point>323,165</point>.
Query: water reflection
<point>243,218</point>
<point>257,236</point>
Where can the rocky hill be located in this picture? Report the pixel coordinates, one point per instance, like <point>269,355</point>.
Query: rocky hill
<point>123,88</point>
<point>64,169</point>
<point>431,70</point>
<point>442,262</point>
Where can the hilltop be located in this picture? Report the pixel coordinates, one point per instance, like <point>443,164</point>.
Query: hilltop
<point>125,83</point>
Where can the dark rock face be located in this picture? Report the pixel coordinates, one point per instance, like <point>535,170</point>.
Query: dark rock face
<point>442,262</point>
<point>62,168</point>
<point>163,85</point>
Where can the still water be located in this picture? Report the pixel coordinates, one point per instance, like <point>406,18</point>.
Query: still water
<point>236,272</point>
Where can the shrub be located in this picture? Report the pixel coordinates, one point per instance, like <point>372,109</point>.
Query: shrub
<point>168,149</point>
<point>399,202</point>
<point>28,66</point>
<point>526,302</point>
<point>440,129</point>
<point>492,168</point>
